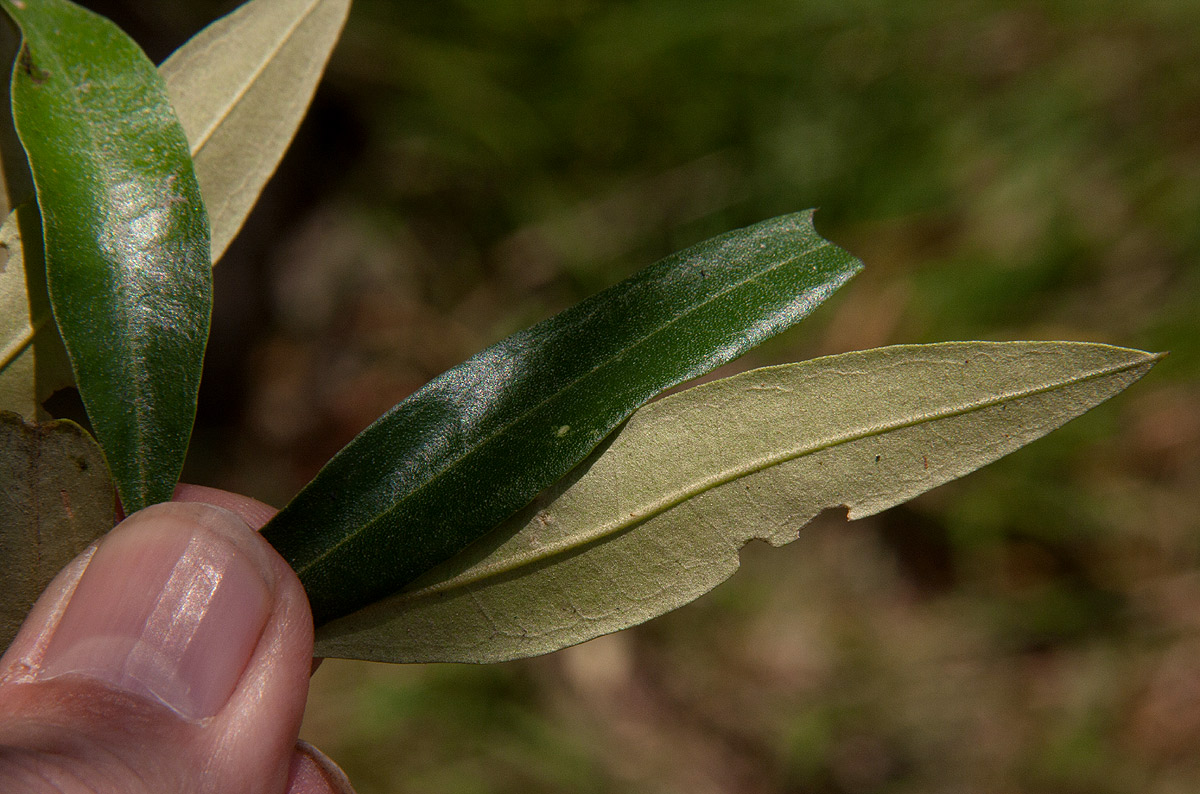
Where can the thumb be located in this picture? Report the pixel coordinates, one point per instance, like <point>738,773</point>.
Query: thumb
<point>172,656</point>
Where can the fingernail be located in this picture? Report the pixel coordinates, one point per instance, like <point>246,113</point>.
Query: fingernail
<point>170,607</point>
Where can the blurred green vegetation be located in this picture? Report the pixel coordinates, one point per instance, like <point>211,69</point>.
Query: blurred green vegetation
<point>1005,170</point>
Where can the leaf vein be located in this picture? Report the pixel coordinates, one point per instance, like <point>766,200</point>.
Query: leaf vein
<point>490,438</point>
<point>572,544</point>
<point>244,89</point>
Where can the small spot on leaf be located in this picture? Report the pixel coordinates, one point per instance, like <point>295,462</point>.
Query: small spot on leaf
<point>25,61</point>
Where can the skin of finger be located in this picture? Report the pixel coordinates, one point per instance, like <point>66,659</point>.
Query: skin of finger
<point>69,731</point>
<point>42,723</point>
<point>312,772</point>
<point>252,511</point>
<point>25,652</point>
<point>274,652</point>
<point>69,735</point>
<point>255,513</point>
<point>255,734</point>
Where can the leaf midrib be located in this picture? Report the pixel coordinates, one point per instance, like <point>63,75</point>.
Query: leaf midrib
<point>487,440</point>
<point>576,542</point>
<point>249,83</point>
<point>138,408</point>
<point>19,344</point>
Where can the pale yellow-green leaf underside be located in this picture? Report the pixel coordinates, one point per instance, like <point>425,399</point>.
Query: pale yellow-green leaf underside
<point>657,518</point>
<point>240,88</point>
<point>33,362</point>
<point>16,326</point>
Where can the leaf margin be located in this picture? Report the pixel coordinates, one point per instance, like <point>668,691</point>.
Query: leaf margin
<point>467,576</point>
<point>144,456</point>
<point>222,169</point>
<point>770,274</point>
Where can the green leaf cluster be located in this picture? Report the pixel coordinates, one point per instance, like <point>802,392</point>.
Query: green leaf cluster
<point>525,500</point>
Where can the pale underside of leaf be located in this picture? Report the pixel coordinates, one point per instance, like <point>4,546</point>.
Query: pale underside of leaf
<point>240,88</point>
<point>481,440</point>
<point>657,517</point>
<point>33,362</point>
<point>57,499</point>
<point>16,326</point>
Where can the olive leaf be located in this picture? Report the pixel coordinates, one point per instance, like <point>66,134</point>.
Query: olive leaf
<point>33,362</point>
<point>656,517</point>
<point>240,88</point>
<point>482,439</point>
<point>125,236</point>
<point>57,499</point>
<point>16,187</point>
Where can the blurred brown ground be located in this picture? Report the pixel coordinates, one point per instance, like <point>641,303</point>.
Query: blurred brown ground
<point>1005,170</point>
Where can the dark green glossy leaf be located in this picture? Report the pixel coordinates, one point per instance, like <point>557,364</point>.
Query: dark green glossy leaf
<point>481,440</point>
<point>125,233</point>
<point>55,499</point>
<point>248,77</point>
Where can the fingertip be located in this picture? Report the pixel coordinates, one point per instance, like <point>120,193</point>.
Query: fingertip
<point>170,607</point>
<point>313,772</point>
<point>252,511</point>
<point>181,606</point>
<point>24,656</point>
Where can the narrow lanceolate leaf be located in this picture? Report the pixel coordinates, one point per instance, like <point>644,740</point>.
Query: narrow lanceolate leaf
<point>481,440</point>
<point>55,499</point>
<point>240,88</point>
<point>33,363</point>
<point>656,518</point>
<point>125,235</point>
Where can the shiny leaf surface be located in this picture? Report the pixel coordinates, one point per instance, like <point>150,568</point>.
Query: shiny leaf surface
<point>240,88</point>
<point>125,235</point>
<point>482,439</point>
<point>33,362</point>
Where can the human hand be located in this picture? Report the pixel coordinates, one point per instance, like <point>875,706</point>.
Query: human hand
<point>172,656</point>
